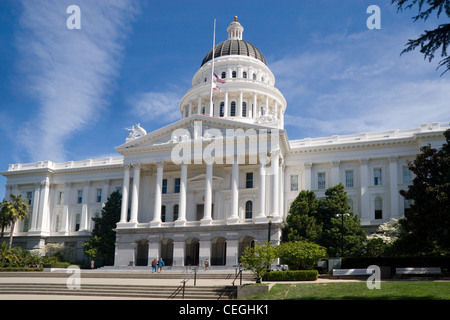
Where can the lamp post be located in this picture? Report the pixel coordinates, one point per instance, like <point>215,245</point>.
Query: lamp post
<point>342,230</point>
<point>269,228</point>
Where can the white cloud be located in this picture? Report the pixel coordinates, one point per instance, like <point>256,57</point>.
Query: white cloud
<point>68,72</point>
<point>360,84</point>
<point>160,107</point>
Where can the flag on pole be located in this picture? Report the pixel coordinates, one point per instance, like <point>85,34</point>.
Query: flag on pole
<point>215,87</point>
<point>217,79</point>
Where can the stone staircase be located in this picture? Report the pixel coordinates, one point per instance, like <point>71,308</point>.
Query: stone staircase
<point>124,291</point>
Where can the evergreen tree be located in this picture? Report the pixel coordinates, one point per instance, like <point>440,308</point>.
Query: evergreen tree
<point>103,237</point>
<point>427,223</point>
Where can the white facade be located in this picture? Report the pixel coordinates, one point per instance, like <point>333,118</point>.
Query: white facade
<point>212,207</point>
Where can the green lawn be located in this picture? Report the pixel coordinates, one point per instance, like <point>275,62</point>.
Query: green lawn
<point>390,290</point>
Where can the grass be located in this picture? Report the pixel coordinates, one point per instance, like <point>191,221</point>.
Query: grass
<point>390,290</point>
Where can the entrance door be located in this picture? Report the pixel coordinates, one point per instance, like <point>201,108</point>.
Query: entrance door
<point>142,253</point>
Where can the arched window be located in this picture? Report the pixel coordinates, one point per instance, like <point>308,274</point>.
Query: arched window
<point>244,109</point>
<point>248,209</point>
<point>244,75</point>
<point>222,109</point>
<point>378,208</point>
<point>175,212</point>
<point>224,75</point>
<point>254,76</point>
<point>233,109</point>
<point>234,74</point>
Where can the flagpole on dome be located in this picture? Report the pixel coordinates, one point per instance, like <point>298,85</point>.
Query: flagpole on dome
<point>212,71</point>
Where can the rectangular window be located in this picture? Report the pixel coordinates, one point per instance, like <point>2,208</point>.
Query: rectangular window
<point>377,177</point>
<point>378,208</point>
<point>99,195</point>
<point>164,186</point>
<point>294,182</point>
<point>349,178</point>
<point>29,197</point>
<point>406,173</point>
<point>77,221</point>
<point>321,180</point>
<point>249,180</point>
<point>80,196</point>
<point>61,198</point>
<point>176,187</point>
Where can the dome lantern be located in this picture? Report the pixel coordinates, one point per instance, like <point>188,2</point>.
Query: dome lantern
<point>235,30</point>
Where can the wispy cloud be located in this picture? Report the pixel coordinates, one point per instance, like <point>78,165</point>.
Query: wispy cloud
<point>70,73</point>
<point>362,84</point>
<point>159,107</point>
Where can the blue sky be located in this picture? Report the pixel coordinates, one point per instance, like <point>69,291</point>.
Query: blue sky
<point>69,94</point>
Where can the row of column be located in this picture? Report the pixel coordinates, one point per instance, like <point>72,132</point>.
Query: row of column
<point>233,217</point>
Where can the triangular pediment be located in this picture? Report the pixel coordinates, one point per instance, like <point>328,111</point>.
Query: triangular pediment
<point>186,129</point>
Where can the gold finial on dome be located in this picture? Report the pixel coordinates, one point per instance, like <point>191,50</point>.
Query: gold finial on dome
<point>235,21</point>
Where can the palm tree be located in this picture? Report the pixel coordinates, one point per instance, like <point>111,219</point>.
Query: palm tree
<point>5,218</point>
<point>18,210</point>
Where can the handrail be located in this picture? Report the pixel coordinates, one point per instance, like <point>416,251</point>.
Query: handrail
<point>189,278</point>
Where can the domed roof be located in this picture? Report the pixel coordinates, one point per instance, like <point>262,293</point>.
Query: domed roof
<point>235,47</point>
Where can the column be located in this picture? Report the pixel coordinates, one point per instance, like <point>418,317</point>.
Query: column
<point>181,221</point>
<point>34,215</point>
<point>125,187</point>
<point>234,216</point>
<point>204,251</point>
<point>335,172</point>
<point>307,173</point>
<point>199,105</point>
<point>364,169</point>
<point>156,222</point>
<point>239,111</point>
<point>266,107</point>
<point>190,109</point>
<point>393,181</point>
<point>275,166</point>
<point>135,193</point>
<point>255,110</point>
<point>179,248</point>
<point>42,221</point>
<point>207,216</point>
<point>225,111</point>
<point>105,191</point>
<point>261,216</point>
<point>65,216</point>
<point>84,209</point>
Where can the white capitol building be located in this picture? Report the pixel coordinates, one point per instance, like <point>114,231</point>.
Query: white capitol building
<point>221,195</point>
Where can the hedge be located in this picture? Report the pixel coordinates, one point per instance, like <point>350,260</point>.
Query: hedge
<point>19,269</point>
<point>397,262</point>
<point>297,275</point>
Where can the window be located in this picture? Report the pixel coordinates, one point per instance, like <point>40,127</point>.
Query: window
<point>99,195</point>
<point>321,180</point>
<point>224,75</point>
<point>350,204</point>
<point>244,109</point>
<point>164,186</point>
<point>61,197</point>
<point>377,177</point>
<point>175,212</point>
<point>349,178</point>
<point>249,180</point>
<point>234,74</point>
<point>176,188</point>
<point>233,109</point>
<point>407,206</point>
<point>294,182</point>
<point>248,210</point>
<point>244,75</point>
<point>163,213</point>
<point>378,208</point>
<point>406,174</point>
<point>254,76</point>
<point>29,197</point>
<point>77,221</point>
<point>80,196</point>
<point>222,109</point>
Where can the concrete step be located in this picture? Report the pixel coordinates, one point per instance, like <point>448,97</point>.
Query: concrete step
<point>130,291</point>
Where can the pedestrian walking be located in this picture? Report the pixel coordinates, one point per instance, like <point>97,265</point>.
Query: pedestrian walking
<point>160,264</point>
<point>206,264</point>
<point>154,265</point>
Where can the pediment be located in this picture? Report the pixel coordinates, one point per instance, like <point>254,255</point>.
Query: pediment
<point>194,127</point>
<point>201,179</point>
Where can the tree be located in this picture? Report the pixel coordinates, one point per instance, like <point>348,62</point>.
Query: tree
<point>430,41</point>
<point>301,223</point>
<point>102,242</point>
<point>301,255</point>
<point>258,258</point>
<point>427,224</point>
<point>5,218</point>
<point>14,209</point>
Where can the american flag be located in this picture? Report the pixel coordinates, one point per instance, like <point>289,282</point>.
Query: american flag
<point>217,79</point>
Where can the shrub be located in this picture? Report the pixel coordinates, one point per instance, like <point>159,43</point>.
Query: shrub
<point>301,255</point>
<point>299,275</point>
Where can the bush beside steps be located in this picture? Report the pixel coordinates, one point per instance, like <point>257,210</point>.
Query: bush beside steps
<point>297,275</point>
